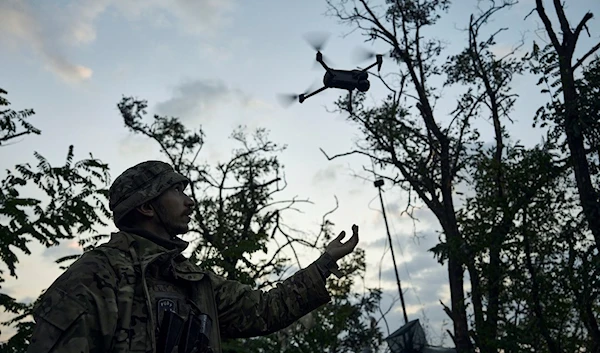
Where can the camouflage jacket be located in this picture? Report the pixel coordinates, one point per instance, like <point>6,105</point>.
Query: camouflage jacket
<point>104,302</point>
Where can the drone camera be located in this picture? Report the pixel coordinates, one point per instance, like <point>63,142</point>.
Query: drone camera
<point>363,85</point>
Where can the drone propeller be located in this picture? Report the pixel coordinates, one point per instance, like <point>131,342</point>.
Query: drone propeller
<point>317,40</point>
<point>288,99</point>
<point>361,55</point>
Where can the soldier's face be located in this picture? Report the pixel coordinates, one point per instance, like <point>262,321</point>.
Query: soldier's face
<point>175,208</point>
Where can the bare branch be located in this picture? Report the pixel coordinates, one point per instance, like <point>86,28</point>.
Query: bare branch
<point>585,56</point>
<point>583,24</point>
<point>351,153</point>
<point>562,19</point>
<point>544,17</point>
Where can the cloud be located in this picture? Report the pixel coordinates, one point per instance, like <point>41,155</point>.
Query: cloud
<point>49,30</point>
<point>424,280</point>
<point>196,98</point>
<point>21,24</point>
<point>422,291</point>
<point>204,17</point>
<point>63,249</point>
<point>504,49</point>
<point>376,244</point>
<point>328,174</point>
<point>131,144</point>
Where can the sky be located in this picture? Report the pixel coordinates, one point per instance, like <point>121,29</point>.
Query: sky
<point>218,64</point>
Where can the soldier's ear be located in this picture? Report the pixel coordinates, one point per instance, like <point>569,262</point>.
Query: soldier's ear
<point>146,209</point>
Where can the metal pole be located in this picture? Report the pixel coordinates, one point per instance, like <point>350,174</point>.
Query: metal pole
<point>378,184</point>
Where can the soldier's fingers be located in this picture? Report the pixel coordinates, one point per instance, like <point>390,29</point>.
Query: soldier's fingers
<point>353,241</point>
<point>341,236</point>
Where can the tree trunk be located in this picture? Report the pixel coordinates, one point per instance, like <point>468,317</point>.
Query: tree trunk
<point>573,130</point>
<point>455,256</point>
<point>457,293</point>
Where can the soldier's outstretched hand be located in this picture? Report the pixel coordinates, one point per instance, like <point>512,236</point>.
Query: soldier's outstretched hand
<point>337,249</point>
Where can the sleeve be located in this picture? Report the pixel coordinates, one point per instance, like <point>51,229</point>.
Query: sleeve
<point>246,312</point>
<point>78,313</point>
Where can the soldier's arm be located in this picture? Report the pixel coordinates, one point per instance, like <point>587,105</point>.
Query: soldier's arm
<point>245,312</point>
<point>78,313</point>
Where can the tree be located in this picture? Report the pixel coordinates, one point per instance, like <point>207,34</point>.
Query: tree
<point>572,116</point>
<point>74,205</point>
<point>488,78</point>
<point>428,155</point>
<point>567,114</point>
<point>238,231</point>
<point>11,120</point>
<point>514,191</point>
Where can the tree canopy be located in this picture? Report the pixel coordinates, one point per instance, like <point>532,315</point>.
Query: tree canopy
<point>525,229</point>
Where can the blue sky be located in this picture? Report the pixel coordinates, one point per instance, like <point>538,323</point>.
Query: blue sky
<point>218,64</point>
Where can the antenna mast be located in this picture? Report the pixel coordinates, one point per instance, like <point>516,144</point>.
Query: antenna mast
<point>378,184</point>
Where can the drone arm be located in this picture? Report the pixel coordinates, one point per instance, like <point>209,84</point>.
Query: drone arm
<point>303,97</point>
<point>368,67</point>
<point>378,63</point>
<point>320,61</point>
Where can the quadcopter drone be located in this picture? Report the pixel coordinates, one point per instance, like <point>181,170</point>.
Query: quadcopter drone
<point>342,79</point>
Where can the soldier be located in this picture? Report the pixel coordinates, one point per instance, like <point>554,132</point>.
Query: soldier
<point>138,293</point>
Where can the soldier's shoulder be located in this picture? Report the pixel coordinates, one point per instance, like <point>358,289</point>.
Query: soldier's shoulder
<point>89,265</point>
<point>98,258</point>
<point>90,273</point>
<point>100,262</point>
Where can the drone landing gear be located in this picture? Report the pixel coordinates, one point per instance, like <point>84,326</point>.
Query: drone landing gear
<point>350,102</point>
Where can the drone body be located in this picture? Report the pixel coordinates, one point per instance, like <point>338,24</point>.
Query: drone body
<point>343,79</point>
<point>349,80</point>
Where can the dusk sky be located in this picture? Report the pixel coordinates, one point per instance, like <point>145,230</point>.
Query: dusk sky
<point>219,64</point>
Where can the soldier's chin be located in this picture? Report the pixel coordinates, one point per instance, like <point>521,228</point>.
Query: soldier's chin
<point>184,228</point>
<point>181,228</point>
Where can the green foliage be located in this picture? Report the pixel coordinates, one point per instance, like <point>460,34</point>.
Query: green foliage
<point>75,203</point>
<point>72,204</point>
<point>530,223</point>
<point>520,231</point>
<point>544,62</point>
<point>11,120</point>
<point>588,88</point>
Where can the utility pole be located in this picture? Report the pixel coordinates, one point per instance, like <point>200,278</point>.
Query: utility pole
<point>378,184</point>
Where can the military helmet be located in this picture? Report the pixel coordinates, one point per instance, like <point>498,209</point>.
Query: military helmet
<point>139,184</point>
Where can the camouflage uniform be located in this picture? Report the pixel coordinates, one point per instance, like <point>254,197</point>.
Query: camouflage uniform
<point>111,299</point>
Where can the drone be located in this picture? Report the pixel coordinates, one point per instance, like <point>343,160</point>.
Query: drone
<point>350,80</point>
